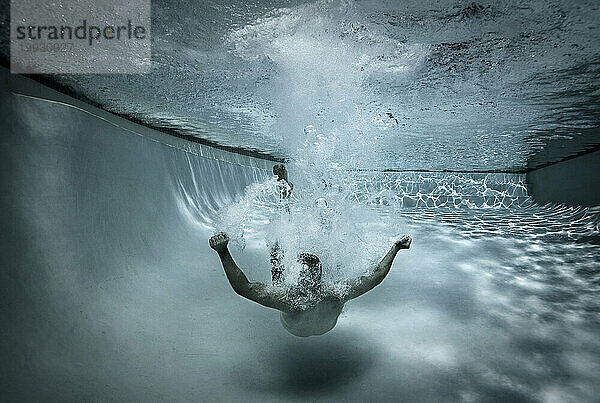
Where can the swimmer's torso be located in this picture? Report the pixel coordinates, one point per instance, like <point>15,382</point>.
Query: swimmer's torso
<point>316,320</point>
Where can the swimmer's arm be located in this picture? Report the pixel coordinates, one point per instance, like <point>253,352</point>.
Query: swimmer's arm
<point>367,283</point>
<point>263,294</point>
<point>267,295</point>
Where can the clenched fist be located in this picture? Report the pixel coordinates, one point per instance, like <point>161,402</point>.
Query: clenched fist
<point>404,242</point>
<point>219,242</point>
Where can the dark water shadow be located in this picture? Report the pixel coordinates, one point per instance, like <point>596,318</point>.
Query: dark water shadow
<point>591,239</point>
<point>308,366</point>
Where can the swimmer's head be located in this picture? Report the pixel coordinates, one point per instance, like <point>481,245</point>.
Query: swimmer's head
<point>312,271</point>
<point>280,171</point>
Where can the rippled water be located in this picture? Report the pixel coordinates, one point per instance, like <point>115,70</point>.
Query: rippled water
<point>496,299</point>
<point>406,85</point>
<point>497,304</point>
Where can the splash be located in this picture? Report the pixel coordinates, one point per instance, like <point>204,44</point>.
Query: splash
<point>327,227</point>
<point>320,217</point>
<point>406,84</point>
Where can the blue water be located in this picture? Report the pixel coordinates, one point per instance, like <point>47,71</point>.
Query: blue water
<point>114,293</point>
<point>496,298</point>
<point>406,85</point>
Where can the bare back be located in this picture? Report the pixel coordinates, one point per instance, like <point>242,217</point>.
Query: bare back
<point>316,320</point>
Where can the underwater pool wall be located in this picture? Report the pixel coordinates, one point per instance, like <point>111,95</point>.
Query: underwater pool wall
<point>573,181</point>
<point>87,198</point>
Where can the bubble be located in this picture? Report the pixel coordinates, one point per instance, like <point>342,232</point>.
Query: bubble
<point>308,130</point>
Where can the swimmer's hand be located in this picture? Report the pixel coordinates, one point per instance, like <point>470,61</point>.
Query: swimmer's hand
<point>404,242</point>
<point>219,242</point>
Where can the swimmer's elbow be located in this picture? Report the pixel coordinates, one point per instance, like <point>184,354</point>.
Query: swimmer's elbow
<point>364,285</point>
<point>266,296</point>
<point>242,289</point>
<point>251,291</point>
